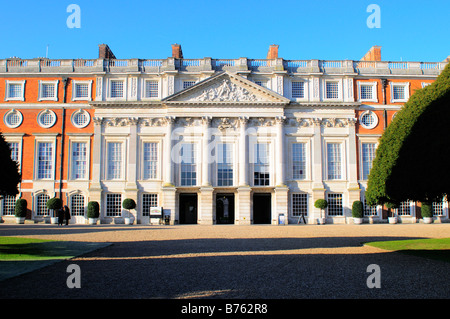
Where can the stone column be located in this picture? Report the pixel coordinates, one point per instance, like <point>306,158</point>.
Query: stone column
<point>95,189</point>
<point>168,177</point>
<point>317,176</point>
<point>131,190</point>
<point>243,152</point>
<point>205,216</point>
<point>354,190</point>
<point>168,190</point>
<point>281,190</point>
<point>243,213</point>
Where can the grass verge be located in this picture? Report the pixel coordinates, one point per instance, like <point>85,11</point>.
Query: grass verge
<point>435,248</point>
<point>21,255</point>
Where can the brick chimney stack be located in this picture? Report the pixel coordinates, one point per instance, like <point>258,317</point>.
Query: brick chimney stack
<point>104,52</point>
<point>273,52</point>
<point>374,54</point>
<point>177,53</point>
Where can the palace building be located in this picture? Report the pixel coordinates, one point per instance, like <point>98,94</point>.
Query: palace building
<point>211,141</point>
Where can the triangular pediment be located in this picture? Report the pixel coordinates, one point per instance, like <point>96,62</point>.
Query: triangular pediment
<point>226,88</point>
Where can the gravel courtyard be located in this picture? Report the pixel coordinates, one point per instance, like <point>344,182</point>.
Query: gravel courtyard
<point>234,262</point>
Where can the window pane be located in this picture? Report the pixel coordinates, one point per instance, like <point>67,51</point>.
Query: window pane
<point>298,89</point>
<point>224,165</point>
<point>299,205</point>
<point>405,208</point>
<point>77,208</point>
<point>41,205</point>
<point>334,161</point>
<point>366,92</point>
<point>148,201</point>
<point>116,88</point>
<point>368,155</point>
<point>114,160</point>
<point>48,90</point>
<point>261,167</point>
<point>82,90</point>
<point>150,160</point>
<point>335,205</point>
<point>399,92</point>
<point>332,90</point>
<point>79,156</point>
<point>15,90</point>
<point>151,88</point>
<point>14,151</point>
<point>45,160</point>
<point>9,204</point>
<point>188,165</point>
<point>298,161</point>
<point>113,205</point>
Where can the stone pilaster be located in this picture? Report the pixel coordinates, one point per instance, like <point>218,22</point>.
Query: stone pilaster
<point>243,213</point>
<point>206,201</point>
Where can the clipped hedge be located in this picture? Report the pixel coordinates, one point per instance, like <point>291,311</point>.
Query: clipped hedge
<point>93,210</point>
<point>357,209</point>
<point>21,208</point>
<point>129,203</point>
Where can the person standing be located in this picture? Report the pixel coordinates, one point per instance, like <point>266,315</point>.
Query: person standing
<point>67,214</point>
<point>60,217</point>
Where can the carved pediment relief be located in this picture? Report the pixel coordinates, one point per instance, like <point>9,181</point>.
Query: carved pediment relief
<point>226,88</point>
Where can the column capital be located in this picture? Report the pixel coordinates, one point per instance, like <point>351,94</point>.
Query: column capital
<point>98,120</point>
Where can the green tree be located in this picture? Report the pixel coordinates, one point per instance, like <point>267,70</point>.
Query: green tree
<point>412,157</point>
<point>9,172</point>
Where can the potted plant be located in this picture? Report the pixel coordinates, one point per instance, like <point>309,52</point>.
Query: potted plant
<point>93,212</point>
<point>54,204</point>
<point>427,212</point>
<point>322,204</point>
<point>20,211</point>
<point>357,212</point>
<point>391,215</point>
<point>128,203</point>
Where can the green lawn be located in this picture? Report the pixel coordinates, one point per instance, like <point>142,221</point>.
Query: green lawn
<point>22,255</point>
<point>436,248</point>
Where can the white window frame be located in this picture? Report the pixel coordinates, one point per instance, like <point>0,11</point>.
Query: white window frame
<point>375,119</point>
<point>74,114</point>
<point>123,163</point>
<point>144,89</point>
<point>87,141</point>
<point>158,143</point>
<point>305,89</point>
<point>292,204</point>
<point>48,82</point>
<point>231,146</point>
<point>72,211</point>
<point>74,90</point>
<point>365,140</point>
<point>16,138</point>
<point>124,93</point>
<point>115,214</point>
<point>197,163</point>
<point>343,162</point>
<point>324,89</point>
<point>44,138</point>
<point>411,208</point>
<point>253,158</point>
<point>307,145</point>
<point>187,81</point>
<point>36,195</point>
<point>44,112</point>
<point>7,90</point>
<point>373,85</point>
<point>406,86</point>
<point>9,113</point>
<point>143,201</point>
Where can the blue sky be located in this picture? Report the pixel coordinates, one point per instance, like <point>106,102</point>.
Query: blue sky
<point>330,29</point>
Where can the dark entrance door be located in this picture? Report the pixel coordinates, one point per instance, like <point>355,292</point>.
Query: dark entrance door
<point>188,208</point>
<point>262,208</point>
<point>225,209</point>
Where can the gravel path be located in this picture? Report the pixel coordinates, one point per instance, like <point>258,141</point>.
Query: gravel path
<point>227,261</point>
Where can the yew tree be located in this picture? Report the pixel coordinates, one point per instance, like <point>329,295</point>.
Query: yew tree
<point>412,159</point>
<point>9,171</point>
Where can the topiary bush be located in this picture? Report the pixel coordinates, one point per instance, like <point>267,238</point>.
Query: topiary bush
<point>21,208</point>
<point>321,203</point>
<point>427,209</point>
<point>357,209</point>
<point>93,210</point>
<point>129,203</point>
<point>54,204</point>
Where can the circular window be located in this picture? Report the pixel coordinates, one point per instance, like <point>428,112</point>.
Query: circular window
<point>80,118</point>
<point>46,118</point>
<point>13,119</point>
<point>369,120</point>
